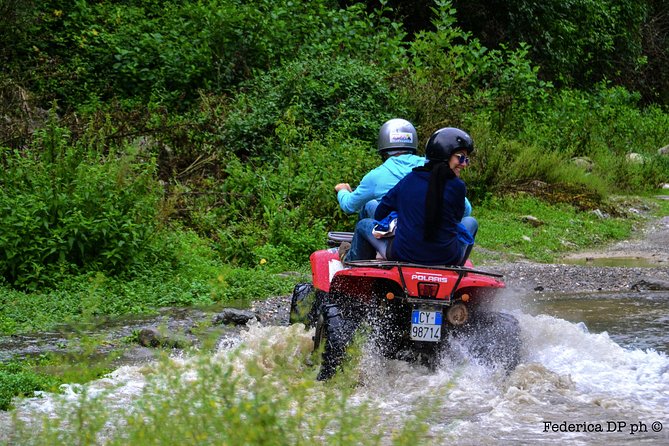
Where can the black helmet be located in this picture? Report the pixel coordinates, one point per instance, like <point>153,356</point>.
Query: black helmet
<point>397,134</point>
<point>445,142</point>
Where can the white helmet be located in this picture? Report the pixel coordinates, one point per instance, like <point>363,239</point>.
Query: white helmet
<point>397,134</point>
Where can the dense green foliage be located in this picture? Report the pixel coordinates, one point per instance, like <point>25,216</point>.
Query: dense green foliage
<point>167,152</point>
<point>66,207</point>
<point>167,51</point>
<point>576,43</point>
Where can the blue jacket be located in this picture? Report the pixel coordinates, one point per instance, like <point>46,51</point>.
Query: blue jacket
<point>408,199</point>
<point>380,180</point>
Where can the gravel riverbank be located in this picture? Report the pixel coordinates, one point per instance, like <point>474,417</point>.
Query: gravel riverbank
<point>648,247</point>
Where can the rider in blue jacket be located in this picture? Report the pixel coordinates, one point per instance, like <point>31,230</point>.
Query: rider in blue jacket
<point>431,226</point>
<point>397,144</point>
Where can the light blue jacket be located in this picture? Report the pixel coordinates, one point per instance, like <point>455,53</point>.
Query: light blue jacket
<point>380,180</point>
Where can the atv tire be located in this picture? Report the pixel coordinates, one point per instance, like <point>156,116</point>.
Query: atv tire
<point>305,304</point>
<point>494,338</point>
<point>336,332</point>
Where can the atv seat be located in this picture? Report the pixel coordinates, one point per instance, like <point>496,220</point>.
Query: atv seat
<point>336,238</point>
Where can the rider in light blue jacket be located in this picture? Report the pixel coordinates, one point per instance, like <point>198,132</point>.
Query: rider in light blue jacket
<point>397,145</point>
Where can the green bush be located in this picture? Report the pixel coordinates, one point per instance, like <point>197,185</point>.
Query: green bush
<point>501,166</point>
<point>17,380</point>
<point>166,51</point>
<point>67,209</point>
<point>454,76</point>
<point>579,42</point>
<point>606,126</point>
<point>282,212</point>
<point>281,111</point>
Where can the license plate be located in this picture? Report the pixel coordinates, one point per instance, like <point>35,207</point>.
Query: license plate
<point>425,325</point>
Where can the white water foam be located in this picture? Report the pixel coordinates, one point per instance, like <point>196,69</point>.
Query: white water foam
<point>600,368</point>
<point>566,375</point>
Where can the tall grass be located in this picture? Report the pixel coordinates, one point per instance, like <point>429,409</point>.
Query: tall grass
<point>563,228</point>
<point>181,270</point>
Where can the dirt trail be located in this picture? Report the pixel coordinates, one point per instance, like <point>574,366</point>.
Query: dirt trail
<point>650,247</point>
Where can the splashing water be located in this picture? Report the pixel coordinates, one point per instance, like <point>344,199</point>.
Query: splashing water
<point>569,385</point>
<point>567,376</point>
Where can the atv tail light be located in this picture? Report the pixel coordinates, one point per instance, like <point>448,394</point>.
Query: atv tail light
<point>390,296</point>
<point>465,297</point>
<point>426,289</point>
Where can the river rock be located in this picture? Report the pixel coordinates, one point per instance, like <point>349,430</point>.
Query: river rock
<point>651,284</point>
<point>531,220</point>
<point>663,151</point>
<point>583,162</point>
<point>234,316</point>
<point>152,337</point>
<point>635,158</point>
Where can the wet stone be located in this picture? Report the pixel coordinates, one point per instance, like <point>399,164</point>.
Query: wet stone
<point>136,356</point>
<point>234,316</point>
<point>149,337</point>
<point>650,284</point>
<point>152,337</point>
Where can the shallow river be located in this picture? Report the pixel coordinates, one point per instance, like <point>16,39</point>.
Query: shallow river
<point>595,370</point>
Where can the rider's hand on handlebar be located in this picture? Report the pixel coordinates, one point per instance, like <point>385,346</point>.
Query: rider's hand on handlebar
<point>341,186</point>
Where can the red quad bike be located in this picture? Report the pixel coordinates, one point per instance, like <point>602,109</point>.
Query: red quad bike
<point>414,311</point>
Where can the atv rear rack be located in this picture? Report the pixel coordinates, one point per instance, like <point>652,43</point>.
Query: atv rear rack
<point>336,238</point>
<point>388,264</point>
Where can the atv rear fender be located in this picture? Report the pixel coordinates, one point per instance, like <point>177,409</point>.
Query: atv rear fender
<point>358,278</point>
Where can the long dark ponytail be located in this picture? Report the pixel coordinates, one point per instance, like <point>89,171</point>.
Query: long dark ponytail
<point>440,173</point>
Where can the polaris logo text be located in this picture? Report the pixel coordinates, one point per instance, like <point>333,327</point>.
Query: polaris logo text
<point>427,277</point>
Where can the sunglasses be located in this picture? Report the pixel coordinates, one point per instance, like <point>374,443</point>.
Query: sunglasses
<point>462,159</point>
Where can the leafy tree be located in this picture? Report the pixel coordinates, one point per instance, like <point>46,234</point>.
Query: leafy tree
<point>653,80</point>
<point>577,43</point>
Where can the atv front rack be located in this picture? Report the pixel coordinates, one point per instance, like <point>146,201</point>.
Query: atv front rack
<point>336,238</point>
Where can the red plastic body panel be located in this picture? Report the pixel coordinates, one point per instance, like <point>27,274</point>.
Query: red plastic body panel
<point>324,264</point>
<point>328,272</point>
